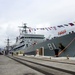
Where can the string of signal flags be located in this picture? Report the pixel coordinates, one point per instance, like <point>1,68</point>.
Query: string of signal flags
<point>52,28</point>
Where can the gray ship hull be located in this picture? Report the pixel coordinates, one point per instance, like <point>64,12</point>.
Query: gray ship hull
<point>49,46</point>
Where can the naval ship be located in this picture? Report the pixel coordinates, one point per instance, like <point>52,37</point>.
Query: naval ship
<point>25,40</point>
<point>35,44</point>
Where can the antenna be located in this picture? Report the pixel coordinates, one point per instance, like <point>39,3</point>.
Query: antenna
<point>24,27</point>
<point>7,46</point>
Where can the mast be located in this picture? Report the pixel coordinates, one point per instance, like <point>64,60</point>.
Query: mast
<point>24,28</point>
<point>7,46</point>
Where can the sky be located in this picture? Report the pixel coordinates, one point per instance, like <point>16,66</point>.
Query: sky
<point>36,13</point>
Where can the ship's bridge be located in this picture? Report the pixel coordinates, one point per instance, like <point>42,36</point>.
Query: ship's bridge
<point>32,36</point>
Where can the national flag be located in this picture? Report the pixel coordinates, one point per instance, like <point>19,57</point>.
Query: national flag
<point>65,24</point>
<point>60,26</point>
<point>46,29</point>
<point>54,28</point>
<point>29,30</point>
<point>49,28</point>
<point>71,24</point>
<point>34,29</point>
<point>42,28</point>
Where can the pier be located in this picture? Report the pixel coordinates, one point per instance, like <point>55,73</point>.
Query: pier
<point>36,65</point>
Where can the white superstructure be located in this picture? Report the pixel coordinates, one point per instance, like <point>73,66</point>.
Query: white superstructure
<point>27,39</point>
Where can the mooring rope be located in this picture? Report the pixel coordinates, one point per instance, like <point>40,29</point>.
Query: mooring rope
<point>66,46</point>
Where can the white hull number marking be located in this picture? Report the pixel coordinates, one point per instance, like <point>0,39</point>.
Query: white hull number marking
<point>51,46</point>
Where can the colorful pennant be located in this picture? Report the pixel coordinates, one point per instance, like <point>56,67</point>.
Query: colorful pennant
<point>52,28</point>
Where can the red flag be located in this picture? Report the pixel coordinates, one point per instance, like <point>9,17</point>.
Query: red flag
<point>71,24</point>
<point>29,30</point>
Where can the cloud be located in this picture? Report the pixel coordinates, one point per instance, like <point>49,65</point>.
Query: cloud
<point>36,13</point>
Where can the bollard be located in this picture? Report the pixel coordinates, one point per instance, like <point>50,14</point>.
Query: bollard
<point>67,57</point>
<point>50,57</point>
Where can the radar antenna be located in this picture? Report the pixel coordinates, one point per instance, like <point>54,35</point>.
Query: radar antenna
<point>24,28</point>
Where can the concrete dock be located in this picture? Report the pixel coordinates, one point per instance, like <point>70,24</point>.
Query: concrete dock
<point>11,67</point>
